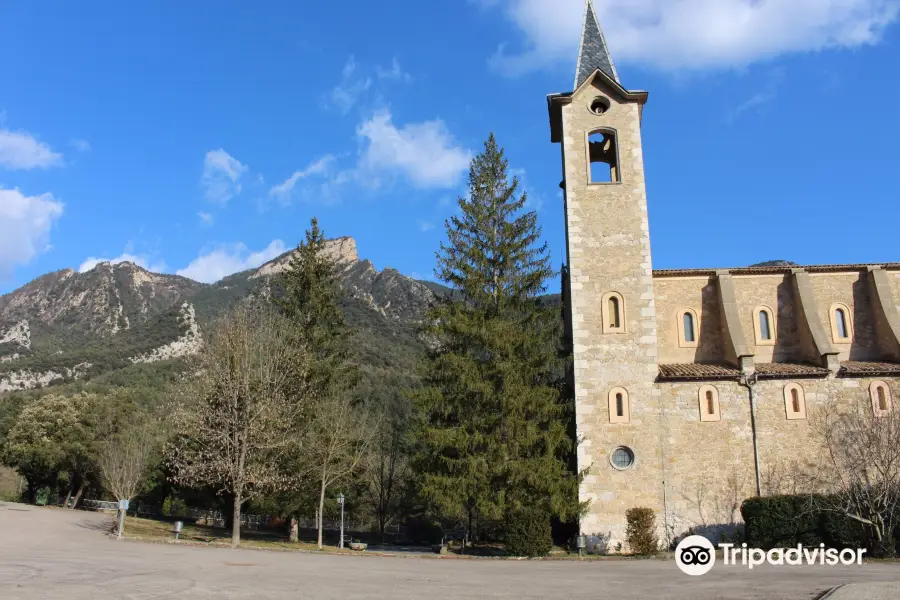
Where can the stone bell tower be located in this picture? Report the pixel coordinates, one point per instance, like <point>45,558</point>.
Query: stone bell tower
<point>611,314</point>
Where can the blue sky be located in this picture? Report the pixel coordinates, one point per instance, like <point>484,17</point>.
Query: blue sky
<point>200,137</point>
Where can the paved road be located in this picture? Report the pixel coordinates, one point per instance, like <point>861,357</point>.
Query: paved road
<point>52,553</point>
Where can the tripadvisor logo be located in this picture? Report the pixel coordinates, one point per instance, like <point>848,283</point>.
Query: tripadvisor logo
<point>696,555</point>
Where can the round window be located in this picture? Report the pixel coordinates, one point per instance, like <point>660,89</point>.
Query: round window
<point>600,105</point>
<point>622,458</point>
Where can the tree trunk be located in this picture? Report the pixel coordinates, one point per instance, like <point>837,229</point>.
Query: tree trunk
<point>68,497</point>
<point>236,521</point>
<point>78,494</point>
<point>294,534</point>
<point>321,510</point>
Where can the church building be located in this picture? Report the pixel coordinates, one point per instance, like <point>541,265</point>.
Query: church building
<point>693,386</point>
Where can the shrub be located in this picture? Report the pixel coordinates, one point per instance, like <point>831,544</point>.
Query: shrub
<point>785,521</point>
<point>526,532</point>
<point>641,531</point>
<point>174,507</point>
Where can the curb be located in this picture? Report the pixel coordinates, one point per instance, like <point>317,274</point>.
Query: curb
<point>830,592</point>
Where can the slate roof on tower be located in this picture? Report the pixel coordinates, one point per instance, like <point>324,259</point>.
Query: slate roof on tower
<point>593,53</point>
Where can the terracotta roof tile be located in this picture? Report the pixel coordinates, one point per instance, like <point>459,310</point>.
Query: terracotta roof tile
<point>766,370</point>
<point>777,370</point>
<point>786,270</point>
<point>697,371</point>
<point>853,368</point>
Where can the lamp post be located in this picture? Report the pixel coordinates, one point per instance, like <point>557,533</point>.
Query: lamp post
<point>340,500</point>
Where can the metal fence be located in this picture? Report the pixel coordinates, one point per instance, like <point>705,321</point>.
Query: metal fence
<point>99,505</point>
<point>213,518</point>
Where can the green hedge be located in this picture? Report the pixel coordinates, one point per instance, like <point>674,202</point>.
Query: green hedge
<point>785,521</point>
<point>527,532</point>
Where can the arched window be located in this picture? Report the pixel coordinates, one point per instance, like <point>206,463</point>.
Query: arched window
<point>613,308</point>
<point>688,328</point>
<point>709,404</point>
<point>764,325</point>
<point>794,401</point>
<point>882,401</point>
<point>841,324</point>
<point>614,316</point>
<point>619,406</point>
<point>603,157</point>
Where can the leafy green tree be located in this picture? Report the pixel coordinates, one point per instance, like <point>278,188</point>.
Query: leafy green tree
<point>49,440</point>
<point>493,436</point>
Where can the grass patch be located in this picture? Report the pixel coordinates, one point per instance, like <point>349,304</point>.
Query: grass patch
<point>163,531</point>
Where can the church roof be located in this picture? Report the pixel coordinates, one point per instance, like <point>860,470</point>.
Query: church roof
<point>593,53</point>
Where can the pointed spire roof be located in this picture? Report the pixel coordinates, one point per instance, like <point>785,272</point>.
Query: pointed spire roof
<point>593,53</point>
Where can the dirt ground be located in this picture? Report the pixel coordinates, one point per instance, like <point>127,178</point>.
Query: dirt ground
<point>54,553</point>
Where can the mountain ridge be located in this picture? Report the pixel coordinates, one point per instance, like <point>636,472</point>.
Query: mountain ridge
<point>66,325</point>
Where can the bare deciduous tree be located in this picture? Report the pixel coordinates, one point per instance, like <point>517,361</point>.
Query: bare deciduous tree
<point>124,462</point>
<point>387,472</point>
<point>236,436</point>
<point>862,474</point>
<point>339,437</point>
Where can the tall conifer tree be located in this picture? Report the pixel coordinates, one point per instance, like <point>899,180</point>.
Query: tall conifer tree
<point>493,435</point>
<point>309,299</point>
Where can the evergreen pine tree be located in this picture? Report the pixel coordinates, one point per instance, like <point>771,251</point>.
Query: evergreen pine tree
<point>309,299</point>
<point>307,293</point>
<point>493,437</point>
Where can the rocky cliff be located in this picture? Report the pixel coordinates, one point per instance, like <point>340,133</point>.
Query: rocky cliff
<point>67,325</point>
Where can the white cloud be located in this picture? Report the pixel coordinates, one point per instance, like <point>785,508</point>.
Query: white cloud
<point>424,152</point>
<point>141,261</point>
<point>80,145</point>
<point>205,218</point>
<point>284,190</point>
<point>394,73</point>
<point>692,34</point>
<point>229,259</point>
<point>424,225</point>
<point>221,176</point>
<point>26,222</point>
<point>20,150</point>
<point>352,86</point>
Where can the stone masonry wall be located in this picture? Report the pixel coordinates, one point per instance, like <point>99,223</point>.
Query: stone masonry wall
<point>851,289</point>
<point>673,295</point>
<point>709,465</point>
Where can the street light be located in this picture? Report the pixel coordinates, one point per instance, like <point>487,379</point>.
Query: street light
<point>340,500</point>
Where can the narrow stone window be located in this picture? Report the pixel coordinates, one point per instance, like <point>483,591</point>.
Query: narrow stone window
<point>619,406</point>
<point>840,318</point>
<point>688,319</point>
<point>603,157</point>
<point>613,307</point>
<point>764,326</point>
<point>794,402</point>
<point>841,324</point>
<point>882,402</point>
<point>614,316</point>
<point>688,328</point>
<point>709,404</point>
